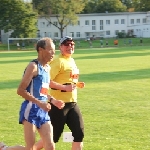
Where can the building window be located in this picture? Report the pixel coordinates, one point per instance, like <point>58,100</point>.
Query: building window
<point>43,34</point>
<point>49,34</point>
<point>42,24</point>
<point>116,32</point>
<point>108,22</point>
<point>87,22</point>
<point>55,23</point>
<point>55,34</point>
<point>93,25</point>
<point>144,20</point>
<point>101,24</point>
<point>87,34</point>
<point>116,21</point>
<point>48,24</point>
<point>78,23</point>
<point>137,20</point>
<point>77,34</point>
<point>122,21</point>
<point>132,21</point>
<point>93,22</point>
<point>108,32</point>
<point>123,31</point>
<point>72,34</point>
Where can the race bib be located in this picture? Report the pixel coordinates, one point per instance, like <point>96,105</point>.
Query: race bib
<point>44,89</point>
<point>75,75</point>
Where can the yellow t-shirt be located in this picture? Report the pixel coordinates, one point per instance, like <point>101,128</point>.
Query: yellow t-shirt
<point>64,70</point>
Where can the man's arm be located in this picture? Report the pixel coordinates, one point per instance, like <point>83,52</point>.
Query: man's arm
<point>58,86</point>
<point>30,72</point>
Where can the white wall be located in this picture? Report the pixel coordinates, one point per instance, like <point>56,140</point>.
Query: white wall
<point>140,29</point>
<point>84,30</point>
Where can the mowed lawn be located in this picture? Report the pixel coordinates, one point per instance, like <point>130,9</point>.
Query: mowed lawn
<point>115,102</point>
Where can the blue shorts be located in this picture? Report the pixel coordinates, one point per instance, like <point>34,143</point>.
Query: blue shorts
<point>33,114</point>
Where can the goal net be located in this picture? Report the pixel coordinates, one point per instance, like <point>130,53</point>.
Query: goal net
<point>22,43</point>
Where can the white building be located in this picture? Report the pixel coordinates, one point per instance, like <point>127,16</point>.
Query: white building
<point>100,25</point>
<point>105,25</point>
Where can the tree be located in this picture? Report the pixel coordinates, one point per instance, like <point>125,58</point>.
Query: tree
<point>137,5</point>
<point>65,11</point>
<point>127,3</point>
<point>18,17</point>
<point>102,6</point>
<point>141,5</point>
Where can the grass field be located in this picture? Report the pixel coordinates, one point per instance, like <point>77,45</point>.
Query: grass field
<point>115,102</point>
<point>123,42</point>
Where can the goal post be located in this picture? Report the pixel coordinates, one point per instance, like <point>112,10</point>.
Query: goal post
<point>21,43</point>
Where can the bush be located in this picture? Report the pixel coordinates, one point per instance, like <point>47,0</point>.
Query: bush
<point>121,35</point>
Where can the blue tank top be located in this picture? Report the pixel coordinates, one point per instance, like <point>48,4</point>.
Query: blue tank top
<point>39,85</point>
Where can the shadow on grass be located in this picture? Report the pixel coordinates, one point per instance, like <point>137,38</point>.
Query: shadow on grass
<point>18,54</point>
<point>116,76</point>
<point>17,61</point>
<point>111,50</point>
<point>114,55</point>
<point>96,77</point>
<point>98,56</point>
<point>11,84</point>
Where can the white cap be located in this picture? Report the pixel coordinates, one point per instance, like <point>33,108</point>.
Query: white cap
<point>64,39</point>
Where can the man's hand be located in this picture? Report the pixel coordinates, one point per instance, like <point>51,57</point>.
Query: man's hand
<point>58,103</point>
<point>70,88</point>
<point>45,106</point>
<point>80,84</point>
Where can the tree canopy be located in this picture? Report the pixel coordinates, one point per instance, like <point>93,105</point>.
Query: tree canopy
<point>64,10</point>
<point>102,6</point>
<point>141,5</point>
<point>19,17</point>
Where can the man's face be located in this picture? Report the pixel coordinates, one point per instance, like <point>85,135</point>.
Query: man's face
<point>67,48</point>
<point>49,52</point>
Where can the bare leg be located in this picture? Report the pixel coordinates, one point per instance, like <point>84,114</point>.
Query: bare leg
<point>5,147</point>
<point>29,135</point>
<point>46,133</point>
<point>17,147</point>
<point>77,145</point>
<point>38,145</point>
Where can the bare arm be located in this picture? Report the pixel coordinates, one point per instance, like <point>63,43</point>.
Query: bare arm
<point>59,86</point>
<point>31,71</point>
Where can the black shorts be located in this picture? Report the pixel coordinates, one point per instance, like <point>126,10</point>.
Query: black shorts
<point>69,115</point>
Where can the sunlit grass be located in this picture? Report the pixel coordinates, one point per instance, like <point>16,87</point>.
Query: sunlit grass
<point>115,102</point>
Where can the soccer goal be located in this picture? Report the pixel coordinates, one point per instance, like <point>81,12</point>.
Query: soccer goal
<point>22,43</point>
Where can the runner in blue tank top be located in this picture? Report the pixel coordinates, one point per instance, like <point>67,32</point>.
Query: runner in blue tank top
<point>38,87</point>
<point>34,89</point>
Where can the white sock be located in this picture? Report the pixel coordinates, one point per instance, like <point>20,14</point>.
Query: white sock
<point>4,148</point>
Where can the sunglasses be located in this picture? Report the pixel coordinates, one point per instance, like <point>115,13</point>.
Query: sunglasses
<point>68,44</point>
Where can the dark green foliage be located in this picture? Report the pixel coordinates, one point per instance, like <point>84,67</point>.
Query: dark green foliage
<point>121,35</point>
<point>19,17</point>
<point>141,5</point>
<point>102,6</point>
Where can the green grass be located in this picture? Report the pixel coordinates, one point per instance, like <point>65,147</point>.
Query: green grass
<point>115,102</point>
<point>83,44</point>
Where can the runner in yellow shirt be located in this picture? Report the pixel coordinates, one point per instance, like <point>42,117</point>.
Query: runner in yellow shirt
<point>65,72</point>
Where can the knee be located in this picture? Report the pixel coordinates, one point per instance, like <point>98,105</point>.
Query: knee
<point>50,145</point>
<point>38,145</point>
<point>79,136</point>
<point>77,145</point>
